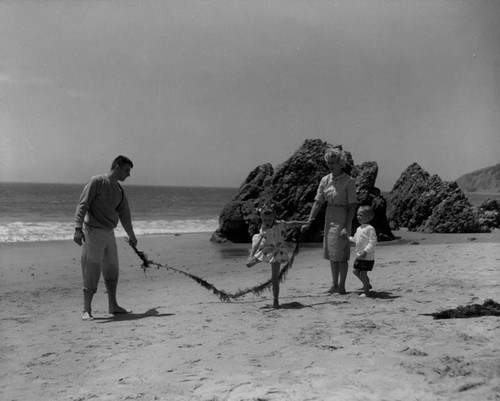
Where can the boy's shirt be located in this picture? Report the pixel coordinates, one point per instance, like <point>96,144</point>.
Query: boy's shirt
<point>365,239</point>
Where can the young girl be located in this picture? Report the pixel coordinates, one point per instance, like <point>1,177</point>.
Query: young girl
<point>365,239</point>
<point>269,245</point>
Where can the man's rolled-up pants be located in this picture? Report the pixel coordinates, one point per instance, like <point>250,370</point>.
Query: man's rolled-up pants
<point>99,254</point>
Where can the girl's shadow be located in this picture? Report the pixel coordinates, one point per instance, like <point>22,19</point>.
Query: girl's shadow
<point>288,305</point>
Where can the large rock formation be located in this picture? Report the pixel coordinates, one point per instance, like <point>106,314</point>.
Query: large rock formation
<point>422,202</point>
<point>365,176</point>
<point>488,214</point>
<point>486,179</point>
<point>292,187</point>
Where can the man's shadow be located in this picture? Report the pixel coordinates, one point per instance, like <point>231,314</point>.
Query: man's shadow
<point>153,312</point>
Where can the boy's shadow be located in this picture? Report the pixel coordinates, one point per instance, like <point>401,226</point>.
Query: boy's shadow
<point>153,312</point>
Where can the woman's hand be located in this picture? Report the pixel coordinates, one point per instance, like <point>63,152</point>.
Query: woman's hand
<point>305,226</point>
<point>344,233</point>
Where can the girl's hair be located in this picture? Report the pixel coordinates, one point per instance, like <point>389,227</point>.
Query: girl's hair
<point>267,208</point>
<point>336,154</point>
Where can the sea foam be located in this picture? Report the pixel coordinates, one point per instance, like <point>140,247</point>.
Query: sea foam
<point>57,231</point>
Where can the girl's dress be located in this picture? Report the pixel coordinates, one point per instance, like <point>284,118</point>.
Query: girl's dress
<point>338,192</point>
<point>272,247</point>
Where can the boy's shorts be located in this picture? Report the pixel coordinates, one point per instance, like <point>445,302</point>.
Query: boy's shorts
<point>365,265</point>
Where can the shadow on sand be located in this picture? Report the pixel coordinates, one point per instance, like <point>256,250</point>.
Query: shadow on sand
<point>287,305</point>
<point>153,312</point>
<point>383,295</point>
<point>332,300</point>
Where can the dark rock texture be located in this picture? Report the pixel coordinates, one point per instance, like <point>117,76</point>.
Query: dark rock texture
<point>488,214</point>
<point>292,187</point>
<point>486,179</point>
<point>365,176</point>
<point>422,202</point>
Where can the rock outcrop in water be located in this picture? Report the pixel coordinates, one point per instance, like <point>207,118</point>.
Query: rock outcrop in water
<point>422,202</point>
<point>292,187</point>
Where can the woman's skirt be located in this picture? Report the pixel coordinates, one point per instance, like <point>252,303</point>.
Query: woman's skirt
<point>335,247</point>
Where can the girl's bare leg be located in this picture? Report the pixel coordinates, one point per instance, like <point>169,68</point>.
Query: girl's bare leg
<point>275,270</point>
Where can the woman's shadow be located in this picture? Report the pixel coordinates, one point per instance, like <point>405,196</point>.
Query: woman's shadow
<point>383,295</point>
<point>153,312</point>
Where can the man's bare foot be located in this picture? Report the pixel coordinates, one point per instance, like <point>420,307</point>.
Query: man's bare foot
<point>276,305</point>
<point>118,310</point>
<point>342,291</point>
<point>363,288</point>
<point>86,316</point>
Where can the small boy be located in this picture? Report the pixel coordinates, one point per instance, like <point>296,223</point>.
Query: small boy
<point>365,239</point>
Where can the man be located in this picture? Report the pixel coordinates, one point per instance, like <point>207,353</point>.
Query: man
<point>101,205</point>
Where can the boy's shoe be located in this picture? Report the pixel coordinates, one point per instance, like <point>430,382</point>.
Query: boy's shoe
<point>252,262</point>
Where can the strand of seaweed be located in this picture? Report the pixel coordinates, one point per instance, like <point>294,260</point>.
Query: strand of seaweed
<point>223,295</point>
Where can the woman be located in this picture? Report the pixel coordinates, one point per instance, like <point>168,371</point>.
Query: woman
<point>339,191</point>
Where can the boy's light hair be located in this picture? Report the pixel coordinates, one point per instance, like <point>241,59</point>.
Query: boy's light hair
<point>370,212</point>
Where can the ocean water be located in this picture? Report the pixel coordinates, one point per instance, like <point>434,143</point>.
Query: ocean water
<point>46,212</point>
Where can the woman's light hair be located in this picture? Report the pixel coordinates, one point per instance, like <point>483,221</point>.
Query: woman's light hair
<point>336,154</point>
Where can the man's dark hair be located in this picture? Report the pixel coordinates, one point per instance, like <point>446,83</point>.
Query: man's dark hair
<point>121,161</point>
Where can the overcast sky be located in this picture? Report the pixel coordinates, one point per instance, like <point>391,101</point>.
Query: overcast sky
<point>199,93</point>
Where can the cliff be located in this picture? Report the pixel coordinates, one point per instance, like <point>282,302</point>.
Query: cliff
<point>486,179</point>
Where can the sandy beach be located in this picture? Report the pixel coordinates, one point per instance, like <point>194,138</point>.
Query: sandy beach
<point>182,343</point>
